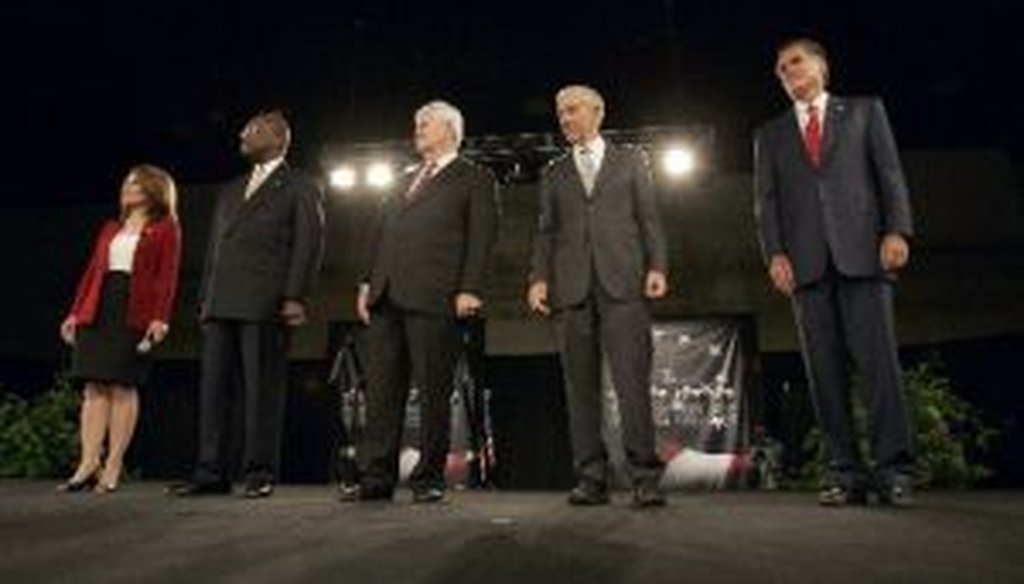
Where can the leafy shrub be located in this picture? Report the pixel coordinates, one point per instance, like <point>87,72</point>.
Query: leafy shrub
<point>39,437</point>
<point>949,433</point>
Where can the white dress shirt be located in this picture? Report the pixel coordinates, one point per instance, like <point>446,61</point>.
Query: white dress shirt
<point>122,251</point>
<point>260,172</point>
<point>803,115</point>
<point>596,146</point>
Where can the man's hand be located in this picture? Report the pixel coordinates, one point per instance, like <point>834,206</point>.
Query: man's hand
<point>467,305</point>
<point>293,313</point>
<point>656,285</point>
<point>781,272</point>
<point>894,252</point>
<point>363,304</point>
<point>67,330</point>
<point>537,298</point>
<point>157,332</point>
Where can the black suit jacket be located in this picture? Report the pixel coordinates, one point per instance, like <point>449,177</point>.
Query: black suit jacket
<point>615,232</point>
<point>844,206</point>
<point>263,250</point>
<point>427,250</point>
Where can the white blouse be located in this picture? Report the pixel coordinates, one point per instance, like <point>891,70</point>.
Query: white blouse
<point>122,251</point>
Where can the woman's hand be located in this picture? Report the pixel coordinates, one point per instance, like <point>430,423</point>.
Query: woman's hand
<point>67,330</point>
<point>157,332</point>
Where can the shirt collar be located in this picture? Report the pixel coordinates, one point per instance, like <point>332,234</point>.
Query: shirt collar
<point>819,102</point>
<point>269,166</point>
<point>596,146</point>
<point>444,160</point>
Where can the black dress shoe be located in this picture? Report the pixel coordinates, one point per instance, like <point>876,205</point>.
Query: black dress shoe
<point>838,495</point>
<point>197,489</point>
<point>588,494</point>
<point>896,491</point>
<point>353,493</point>
<point>258,488</point>
<point>648,496</point>
<point>427,495</point>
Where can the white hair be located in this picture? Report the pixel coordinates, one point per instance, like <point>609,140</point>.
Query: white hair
<point>583,93</point>
<point>447,113</point>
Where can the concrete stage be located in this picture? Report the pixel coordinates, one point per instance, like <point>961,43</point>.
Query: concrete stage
<point>303,535</point>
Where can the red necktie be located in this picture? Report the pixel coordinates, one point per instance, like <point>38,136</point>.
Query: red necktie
<point>812,135</point>
<point>421,179</point>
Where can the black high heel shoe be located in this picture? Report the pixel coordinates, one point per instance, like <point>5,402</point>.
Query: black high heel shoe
<point>82,486</point>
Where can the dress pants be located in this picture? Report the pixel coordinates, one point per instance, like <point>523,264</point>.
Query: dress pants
<point>621,331</point>
<point>838,317</point>
<point>407,348</point>
<point>243,362</point>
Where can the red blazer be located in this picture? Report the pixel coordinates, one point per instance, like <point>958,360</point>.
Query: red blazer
<point>154,279</point>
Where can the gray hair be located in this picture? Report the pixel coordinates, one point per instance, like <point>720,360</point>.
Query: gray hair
<point>448,114</point>
<point>584,93</point>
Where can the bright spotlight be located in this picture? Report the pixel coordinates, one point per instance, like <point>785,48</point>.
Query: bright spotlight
<point>344,178</point>
<point>380,175</point>
<point>679,161</point>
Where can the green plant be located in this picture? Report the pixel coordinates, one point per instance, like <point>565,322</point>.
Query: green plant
<point>950,433</point>
<point>39,438</point>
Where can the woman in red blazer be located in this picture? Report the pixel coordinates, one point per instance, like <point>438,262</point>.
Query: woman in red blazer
<point>120,312</point>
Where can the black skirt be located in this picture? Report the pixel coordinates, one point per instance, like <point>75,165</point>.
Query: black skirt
<point>106,351</point>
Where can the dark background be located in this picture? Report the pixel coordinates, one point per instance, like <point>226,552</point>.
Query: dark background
<point>90,88</point>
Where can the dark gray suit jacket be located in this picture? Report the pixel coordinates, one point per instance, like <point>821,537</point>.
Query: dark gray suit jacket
<point>426,251</point>
<point>614,233</point>
<point>844,206</point>
<point>264,250</point>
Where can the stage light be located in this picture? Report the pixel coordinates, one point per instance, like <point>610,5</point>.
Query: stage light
<point>678,161</point>
<point>344,178</point>
<point>380,175</point>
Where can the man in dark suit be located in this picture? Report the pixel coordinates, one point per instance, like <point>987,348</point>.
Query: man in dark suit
<point>426,268</point>
<point>264,251</point>
<point>834,218</point>
<point>598,259</point>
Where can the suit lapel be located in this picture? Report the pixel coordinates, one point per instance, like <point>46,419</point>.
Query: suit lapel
<point>611,156</point>
<point>259,197</point>
<point>795,137</point>
<point>429,188</point>
<point>571,175</point>
<point>574,179</point>
<point>833,122</point>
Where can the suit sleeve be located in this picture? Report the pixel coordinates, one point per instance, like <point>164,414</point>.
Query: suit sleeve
<point>482,232</point>
<point>766,199</point>
<point>167,275</point>
<point>211,248</point>
<point>892,187</point>
<point>648,216</point>
<point>87,277</point>
<point>308,242</point>
<point>540,259</point>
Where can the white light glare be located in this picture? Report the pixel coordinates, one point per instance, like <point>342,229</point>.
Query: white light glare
<point>344,178</point>
<point>679,161</point>
<point>380,175</point>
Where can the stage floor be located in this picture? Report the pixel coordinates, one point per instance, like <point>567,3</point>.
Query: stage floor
<point>303,535</point>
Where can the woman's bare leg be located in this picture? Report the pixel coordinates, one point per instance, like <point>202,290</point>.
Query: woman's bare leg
<point>124,414</point>
<point>95,416</point>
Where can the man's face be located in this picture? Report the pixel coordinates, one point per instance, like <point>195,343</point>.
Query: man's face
<point>802,73</point>
<point>431,134</point>
<point>578,118</point>
<point>258,142</point>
